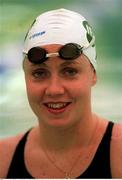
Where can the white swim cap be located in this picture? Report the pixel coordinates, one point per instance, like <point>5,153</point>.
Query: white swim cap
<point>62,26</point>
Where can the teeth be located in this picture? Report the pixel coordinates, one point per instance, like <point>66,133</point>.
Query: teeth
<point>56,105</point>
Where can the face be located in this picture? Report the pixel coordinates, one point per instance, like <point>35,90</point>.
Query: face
<point>59,91</point>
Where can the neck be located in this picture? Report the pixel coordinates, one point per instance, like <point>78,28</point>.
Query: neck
<point>65,138</point>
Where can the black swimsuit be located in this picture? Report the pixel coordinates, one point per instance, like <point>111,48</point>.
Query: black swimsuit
<point>99,167</point>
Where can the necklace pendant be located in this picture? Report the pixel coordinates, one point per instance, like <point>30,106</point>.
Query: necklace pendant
<point>67,177</point>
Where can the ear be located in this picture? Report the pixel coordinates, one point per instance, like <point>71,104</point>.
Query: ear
<point>94,78</point>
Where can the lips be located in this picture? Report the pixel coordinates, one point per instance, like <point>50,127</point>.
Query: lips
<point>56,107</point>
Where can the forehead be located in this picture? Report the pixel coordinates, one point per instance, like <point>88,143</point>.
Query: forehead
<point>56,63</point>
<point>52,47</point>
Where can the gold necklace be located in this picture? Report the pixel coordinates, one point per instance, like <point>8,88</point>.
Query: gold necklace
<point>67,175</point>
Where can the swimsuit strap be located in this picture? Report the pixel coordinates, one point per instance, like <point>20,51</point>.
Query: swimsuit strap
<point>17,168</point>
<point>100,165</point>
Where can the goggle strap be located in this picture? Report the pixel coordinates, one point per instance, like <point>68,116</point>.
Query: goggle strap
<point>90,44</point>
<point>52,55</point>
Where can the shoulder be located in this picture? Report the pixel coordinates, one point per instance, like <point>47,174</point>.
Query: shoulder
<point>7,148</point>
<point>117,132</point>
<point>116,151</point>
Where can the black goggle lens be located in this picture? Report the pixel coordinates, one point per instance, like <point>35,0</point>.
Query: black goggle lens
<point>69,51</point>
<point>37,55</point>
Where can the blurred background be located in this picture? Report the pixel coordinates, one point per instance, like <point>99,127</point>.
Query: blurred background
<point>15,18</point>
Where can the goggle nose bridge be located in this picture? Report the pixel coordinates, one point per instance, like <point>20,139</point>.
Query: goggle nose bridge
<point>55,54</point>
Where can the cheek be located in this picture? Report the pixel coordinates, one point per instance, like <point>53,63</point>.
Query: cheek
<point>81,88</point>
<point>34,91</point>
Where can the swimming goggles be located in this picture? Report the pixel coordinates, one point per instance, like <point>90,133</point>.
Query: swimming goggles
<point>70,51</point>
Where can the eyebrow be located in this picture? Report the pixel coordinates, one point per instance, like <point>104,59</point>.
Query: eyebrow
<point>70,62</point>
<point>39,65</point>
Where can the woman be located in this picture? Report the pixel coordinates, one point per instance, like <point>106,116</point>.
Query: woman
<point>70,141</point>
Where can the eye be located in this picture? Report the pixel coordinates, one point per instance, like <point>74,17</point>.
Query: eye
<point>40,73</point>
<point>68,71</point>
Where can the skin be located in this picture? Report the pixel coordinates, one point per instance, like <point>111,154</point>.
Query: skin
<point>69,136</point>
<point>57,85</point>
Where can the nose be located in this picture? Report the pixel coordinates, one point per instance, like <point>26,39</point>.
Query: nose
<point>55,87</point>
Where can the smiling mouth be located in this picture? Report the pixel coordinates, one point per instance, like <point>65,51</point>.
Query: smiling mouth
<point>57,106</point>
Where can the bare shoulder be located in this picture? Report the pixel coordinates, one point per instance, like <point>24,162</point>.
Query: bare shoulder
<point>117,131</point>
<point>7,148</point>
<point>116,151</point>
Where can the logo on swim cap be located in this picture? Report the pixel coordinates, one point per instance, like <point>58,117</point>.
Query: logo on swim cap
<point>37,34</point>
<point>89,33</point>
